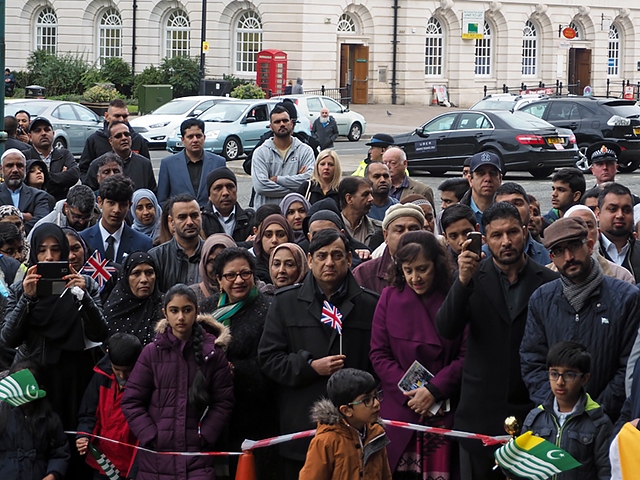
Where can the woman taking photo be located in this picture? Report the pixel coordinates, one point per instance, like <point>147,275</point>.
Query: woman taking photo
<point>273,231</point>
<point>212,246</point>
<point>180,393</point>
<point>404,331</point>
<point>294,207</point>
<point>287,265</point>
<point>146,213</point>
<point>324,180</point>
<point>134,305</point>
<point>242,308</point>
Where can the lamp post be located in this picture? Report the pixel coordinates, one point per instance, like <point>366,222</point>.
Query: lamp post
<point>203,37</point>
<point>3,134</point>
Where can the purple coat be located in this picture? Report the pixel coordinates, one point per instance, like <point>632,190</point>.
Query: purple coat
<point>404,330</point>
<point>155,403</point>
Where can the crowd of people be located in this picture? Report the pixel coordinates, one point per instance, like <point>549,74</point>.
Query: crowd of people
<point>164,314</point>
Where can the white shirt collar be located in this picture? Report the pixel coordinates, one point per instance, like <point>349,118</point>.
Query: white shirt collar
<point>611,249</point>
<point>117,234</point>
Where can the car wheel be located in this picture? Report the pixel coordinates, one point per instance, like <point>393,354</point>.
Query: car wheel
<point>59,143</point>
<point>543,172</point>
<point>437,172</point>
<point>628,166</point>
<point>232,148</point>
<point>355,132</point>
<point>582,163</point>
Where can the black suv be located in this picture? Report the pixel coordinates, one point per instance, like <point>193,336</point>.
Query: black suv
<point>594,120</point>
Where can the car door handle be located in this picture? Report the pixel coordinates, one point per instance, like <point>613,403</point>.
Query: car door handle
<point>442,137</point>
<point>480,134</point>
<point>573,125</point>
<point>66,126</point>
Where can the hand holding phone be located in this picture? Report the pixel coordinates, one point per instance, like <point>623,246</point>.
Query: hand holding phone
<point>476,243</point>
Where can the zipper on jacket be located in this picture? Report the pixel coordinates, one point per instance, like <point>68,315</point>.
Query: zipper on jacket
<point>559,432</point>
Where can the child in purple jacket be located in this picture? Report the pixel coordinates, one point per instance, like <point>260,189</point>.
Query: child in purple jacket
<point>179,396</point>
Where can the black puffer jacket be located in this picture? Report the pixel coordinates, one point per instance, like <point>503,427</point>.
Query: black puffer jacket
<point>606,325</point>
<point>631,259</point>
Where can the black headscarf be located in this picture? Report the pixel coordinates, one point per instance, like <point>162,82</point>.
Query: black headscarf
<point>57,318</point>
<point>127,313</point>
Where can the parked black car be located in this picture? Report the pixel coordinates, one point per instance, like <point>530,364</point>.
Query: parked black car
<point>522,141</point>
<point>595,120</point>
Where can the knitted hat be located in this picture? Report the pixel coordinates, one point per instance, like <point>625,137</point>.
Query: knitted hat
<point>218,173</point>
<point>20,388</point>
<point>399,210</point>
<point>563,230</point>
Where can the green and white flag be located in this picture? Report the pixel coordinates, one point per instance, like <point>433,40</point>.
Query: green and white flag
<point>20,388</point>
<point>105,464</point>
<point>534,458</point>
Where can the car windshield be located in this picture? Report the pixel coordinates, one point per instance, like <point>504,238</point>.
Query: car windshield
<point>494,105</point>
<point>525,121</point>
<point>34,109</point>
<point>176,107</point>
<point>627,111</point>
<point>224,112</point>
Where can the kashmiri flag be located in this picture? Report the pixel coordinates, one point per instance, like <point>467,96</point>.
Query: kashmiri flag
<point>623,453</point>
<point>98,269</point>
<point>20,388</point>
<point>105,464</point>
<point>534,458</point>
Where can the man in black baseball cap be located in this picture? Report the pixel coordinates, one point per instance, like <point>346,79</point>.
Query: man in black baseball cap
<point>485,178</point>
<point>377,146</point>
<point>39,121</point>
<point>222,213</point>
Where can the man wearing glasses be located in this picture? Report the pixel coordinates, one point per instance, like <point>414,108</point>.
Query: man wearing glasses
<point>76,211</point>
<point>138,168</point>
<point>301,346</point>
<point>585,306</point>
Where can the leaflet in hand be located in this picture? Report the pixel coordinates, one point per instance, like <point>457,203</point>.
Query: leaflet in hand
<point>415,377</point>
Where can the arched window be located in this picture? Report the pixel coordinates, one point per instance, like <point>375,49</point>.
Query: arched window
<point>110,35</point>
<point>178,35</point>
<point>248,41</point>
<point>346,24</point>
<point>434,49</point>
<point>483,52</point>
<point>47,30</point>
<point>577,28</point>
<point>529,49</point>
<point>613,64</point>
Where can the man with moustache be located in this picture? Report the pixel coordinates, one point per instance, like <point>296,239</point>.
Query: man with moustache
<point>325,129</point>
<point>356,200</point>
<point>282,163</point>
<point>584,306</point>
<point>378,175</point>
<point>489,299</point>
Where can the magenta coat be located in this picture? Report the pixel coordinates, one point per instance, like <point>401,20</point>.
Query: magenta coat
<point>404,330</point>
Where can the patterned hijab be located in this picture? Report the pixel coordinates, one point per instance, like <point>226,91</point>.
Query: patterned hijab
<point>298,255</point>
<point>213,241</point>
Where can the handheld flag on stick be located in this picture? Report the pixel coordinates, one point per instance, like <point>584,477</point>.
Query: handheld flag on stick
<point>20,388</point>
<point>98,269</point>
<point>625,462</point>
<point>105,464</point>
<point>534,458</point>
<point>332,317</point>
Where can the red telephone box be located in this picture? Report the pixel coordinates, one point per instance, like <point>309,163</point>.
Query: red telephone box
<point>271,71</point>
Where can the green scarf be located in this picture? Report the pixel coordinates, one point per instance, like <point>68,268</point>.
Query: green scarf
<point>226,310</point>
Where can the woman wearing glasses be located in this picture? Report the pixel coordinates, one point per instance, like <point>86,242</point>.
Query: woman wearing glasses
<point>241,307</point>
<point>403,331</point>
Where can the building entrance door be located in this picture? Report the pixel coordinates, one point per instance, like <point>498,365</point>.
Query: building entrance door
<point>579,69</point>
<point>354,70</point>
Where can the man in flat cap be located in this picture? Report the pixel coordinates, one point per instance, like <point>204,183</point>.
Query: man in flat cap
<point>584,306</point>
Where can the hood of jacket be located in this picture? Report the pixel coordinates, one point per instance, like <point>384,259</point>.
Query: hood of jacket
<point>209,324</point>
<point>325,412</point>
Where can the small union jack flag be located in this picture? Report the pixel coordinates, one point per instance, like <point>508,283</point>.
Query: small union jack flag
<point>331,316</point>
<point>98,269</point>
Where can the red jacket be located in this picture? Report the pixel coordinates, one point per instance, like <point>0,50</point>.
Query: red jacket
<point>101,414</point>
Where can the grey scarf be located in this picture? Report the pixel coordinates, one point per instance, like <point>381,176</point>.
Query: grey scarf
<point>578,293</point>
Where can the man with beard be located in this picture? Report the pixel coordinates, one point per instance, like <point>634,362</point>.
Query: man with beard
<point>584,306</point>
<point>24,119</point>
<point>63,168</point>
<point>489,300</point>
<point>76,211</point>
<point>177,260</point>
<point>355,201</point>
<point>378,175</point>
<point>136,167</point>
<point>485,177</point>
<point>33,203</point>
<point>617,240</point>
<point>111,236</point>
<point>325,129</point>
<point>282,163</point>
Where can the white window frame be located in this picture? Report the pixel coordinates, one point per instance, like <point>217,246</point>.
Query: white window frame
<point>177,34</point>
<point>109,35</point>
<point>613,51</point>
<point>248,41</point>
<point>530,50</point>
<point>434,49</point>
<point>47,31</point>
<point>346,25</point>
<point>484,53</point>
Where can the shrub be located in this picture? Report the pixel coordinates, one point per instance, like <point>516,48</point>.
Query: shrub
<point>183,73</point>
<point>58,74</point>
<point>101,93</point>
<point>249,90</point>
<point>91,77</point>
<point>118,72</point>
<point>235,81</point>
<point>149,76</point>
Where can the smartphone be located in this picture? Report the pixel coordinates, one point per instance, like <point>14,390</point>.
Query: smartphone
<point>476,243</point>
<point>51,282</point>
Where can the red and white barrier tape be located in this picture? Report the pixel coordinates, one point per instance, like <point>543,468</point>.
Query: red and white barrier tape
<point>487,440</point>
<point>251,444</point>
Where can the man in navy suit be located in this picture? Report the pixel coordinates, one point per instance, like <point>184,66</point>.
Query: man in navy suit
<point>186,172</point>
<point>33,203</point>
<point>111,236</point>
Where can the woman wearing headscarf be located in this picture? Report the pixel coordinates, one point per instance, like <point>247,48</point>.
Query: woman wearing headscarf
<point>146,213</point>
<point>274,231</point>
<point>212,246</point>
<point>294,208</point>
<point>78,250</point>
<point>9,213</point>
<point>56,330</point>
<point>135,304</point>
<point>287,265</point>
